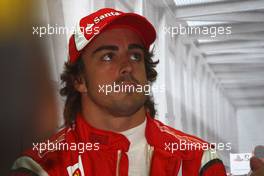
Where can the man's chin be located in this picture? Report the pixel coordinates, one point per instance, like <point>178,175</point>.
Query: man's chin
<point>126,107</point>
<point>121,113</point>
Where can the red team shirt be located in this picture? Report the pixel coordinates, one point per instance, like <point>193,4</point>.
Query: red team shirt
<point>105,153</point>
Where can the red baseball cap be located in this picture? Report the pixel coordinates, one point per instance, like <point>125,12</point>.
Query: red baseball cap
<point>92,25</point>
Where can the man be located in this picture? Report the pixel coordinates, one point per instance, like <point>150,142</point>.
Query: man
<point>109,62</point>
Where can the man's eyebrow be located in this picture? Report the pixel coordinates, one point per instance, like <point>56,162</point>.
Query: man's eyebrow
<point>136,46</point>
<point>106,47</point>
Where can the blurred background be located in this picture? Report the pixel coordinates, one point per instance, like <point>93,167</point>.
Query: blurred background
<point>214,84</point>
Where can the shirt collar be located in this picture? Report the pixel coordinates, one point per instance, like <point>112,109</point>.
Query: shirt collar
<point>116,141</point>
<point>106,139</point>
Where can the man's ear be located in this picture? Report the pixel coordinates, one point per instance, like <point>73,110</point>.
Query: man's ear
<point>79,84</point>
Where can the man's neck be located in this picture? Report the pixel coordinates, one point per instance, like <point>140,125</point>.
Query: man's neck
<point>103,120</point>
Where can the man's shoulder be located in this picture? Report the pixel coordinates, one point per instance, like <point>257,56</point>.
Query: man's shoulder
<point>198,154</point>
<point>51,145</point>
<point>176,142</point>
<point>196,151</point>
<point>52,151</point>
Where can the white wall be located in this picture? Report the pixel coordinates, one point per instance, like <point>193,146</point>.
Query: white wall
<point>250,128</point>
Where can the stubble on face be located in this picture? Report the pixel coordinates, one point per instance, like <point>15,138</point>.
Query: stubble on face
<point>118,104</point>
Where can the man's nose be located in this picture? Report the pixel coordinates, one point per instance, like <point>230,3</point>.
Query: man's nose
<point>126,66</point>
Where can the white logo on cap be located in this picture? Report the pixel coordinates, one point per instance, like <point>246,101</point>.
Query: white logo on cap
<point>103,16</point>
<point>79,37</point>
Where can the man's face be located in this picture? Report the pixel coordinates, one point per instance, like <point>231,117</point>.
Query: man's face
<point>115,56</point>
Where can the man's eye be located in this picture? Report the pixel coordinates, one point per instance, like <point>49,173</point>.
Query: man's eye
<point>107,57</point>
<point>136,56</point>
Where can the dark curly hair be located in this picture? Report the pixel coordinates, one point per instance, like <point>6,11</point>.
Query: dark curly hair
<point>71,74</point>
